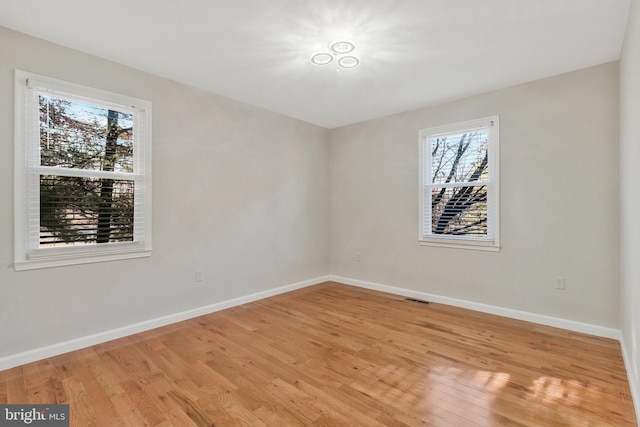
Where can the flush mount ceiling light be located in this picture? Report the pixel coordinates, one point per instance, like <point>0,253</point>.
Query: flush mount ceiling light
<point>321,58</point>
<point>348,61</point>
<point>341,47</point>
<point>340,50</point>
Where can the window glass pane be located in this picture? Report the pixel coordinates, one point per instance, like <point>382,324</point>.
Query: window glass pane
<point>459,211</point>
<point>460,157</point>
<point>75,134</point>
<point>80,211</point>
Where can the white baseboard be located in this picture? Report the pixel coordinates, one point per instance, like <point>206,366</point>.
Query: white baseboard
<point>556,322</point>
<point>29,356</point>
<point>629,364</point>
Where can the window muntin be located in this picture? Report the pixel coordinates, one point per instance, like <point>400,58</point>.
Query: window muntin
<point>83,182</point>
<point>459,185</point>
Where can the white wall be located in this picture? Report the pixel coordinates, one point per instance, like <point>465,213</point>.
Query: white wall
<point>630,198</point>
<point>559,193</point>
<point>239,193</point>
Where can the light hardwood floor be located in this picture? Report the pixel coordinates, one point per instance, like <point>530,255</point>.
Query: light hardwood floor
<point>336,355</point>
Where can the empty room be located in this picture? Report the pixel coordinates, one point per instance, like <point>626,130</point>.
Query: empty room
<point>320,213</point>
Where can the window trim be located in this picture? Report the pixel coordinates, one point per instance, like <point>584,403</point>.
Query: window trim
<point>492,242</point>
<point>26,255</point>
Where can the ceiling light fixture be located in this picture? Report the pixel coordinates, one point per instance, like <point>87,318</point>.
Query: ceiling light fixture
<point>348,61</point>
<point>341,47</point>
<point>321,58</point>
<point>340,51</point>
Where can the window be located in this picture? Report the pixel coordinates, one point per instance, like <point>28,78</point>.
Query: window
<point>82,174</point>
<point>459,185</point>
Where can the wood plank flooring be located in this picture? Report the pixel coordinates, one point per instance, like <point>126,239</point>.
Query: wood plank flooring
<point>335,355</point>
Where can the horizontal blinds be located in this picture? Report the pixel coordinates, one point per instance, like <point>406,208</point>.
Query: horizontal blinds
<point>459,211</point>
<point>97,97</point>
<point>85,211</point>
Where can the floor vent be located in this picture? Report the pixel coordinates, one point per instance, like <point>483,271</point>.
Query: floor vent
<point>417,300</point>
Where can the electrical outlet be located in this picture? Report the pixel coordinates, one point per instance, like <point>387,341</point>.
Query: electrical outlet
<point>358,256</point>
<point>198,276</point>
<point>560,283</point>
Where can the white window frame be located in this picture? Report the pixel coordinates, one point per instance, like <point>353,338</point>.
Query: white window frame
<point>425,236</point>
<point>27,170</point>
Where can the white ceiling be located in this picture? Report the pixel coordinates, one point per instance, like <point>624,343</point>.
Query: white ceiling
<point>414,53</point>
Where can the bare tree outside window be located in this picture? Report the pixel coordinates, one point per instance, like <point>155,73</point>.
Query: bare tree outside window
<point>459,191</point>
<point>459,158</point>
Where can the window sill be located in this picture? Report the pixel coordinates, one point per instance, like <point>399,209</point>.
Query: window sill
<point>75,259</point>
<point>476,245</point>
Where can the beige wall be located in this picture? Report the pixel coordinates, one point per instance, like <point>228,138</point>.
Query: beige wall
<point>257,200</point>
<point>630,195</point>
<point>559,194</point>
<point>239,193</point>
